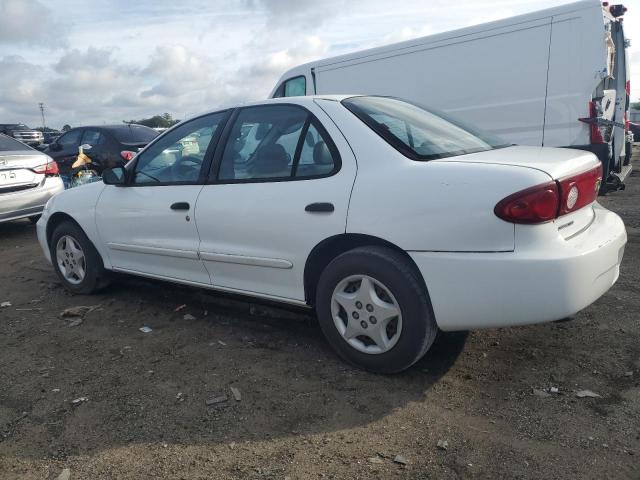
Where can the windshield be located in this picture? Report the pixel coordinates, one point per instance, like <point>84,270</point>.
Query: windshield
<point>417,132</point>
<point>8,144</point>
<point>135,134</point>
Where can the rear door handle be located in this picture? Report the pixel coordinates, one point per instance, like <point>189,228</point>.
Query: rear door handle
<point>319,207</point>
<point>180,206</point>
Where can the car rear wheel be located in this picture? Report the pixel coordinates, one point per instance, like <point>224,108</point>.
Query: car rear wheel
<point>374,309</point>
<point>75,260</point>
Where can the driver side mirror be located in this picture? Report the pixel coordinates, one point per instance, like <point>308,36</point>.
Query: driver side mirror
<point>114,176</point>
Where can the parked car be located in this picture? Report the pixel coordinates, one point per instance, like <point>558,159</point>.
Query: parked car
<point>635,130</point>
<point>389,219</point>
<point>555,78</point>
<point>28,179</point>
<point>21,132</point>
<point>106,145</point>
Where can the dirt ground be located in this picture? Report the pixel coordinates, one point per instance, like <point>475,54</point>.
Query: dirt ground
<point>302,412</point>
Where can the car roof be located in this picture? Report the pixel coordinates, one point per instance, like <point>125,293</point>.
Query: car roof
<point>301,100</point>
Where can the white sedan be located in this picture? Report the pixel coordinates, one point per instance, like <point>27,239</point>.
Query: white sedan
<point>389,219</point>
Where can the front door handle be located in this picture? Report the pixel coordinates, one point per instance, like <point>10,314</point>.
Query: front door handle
<point>180,206</point>
<point>319,207</point>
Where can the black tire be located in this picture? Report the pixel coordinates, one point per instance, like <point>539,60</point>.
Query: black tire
<point>34,219</point>
<point>405,283</point>
<point>96,277</point>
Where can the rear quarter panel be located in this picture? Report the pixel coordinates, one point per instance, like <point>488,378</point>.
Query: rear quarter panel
<point>427,206</point>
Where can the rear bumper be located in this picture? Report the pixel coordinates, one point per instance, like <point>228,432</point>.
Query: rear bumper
<point>27,203</point>
<point>529,285</point>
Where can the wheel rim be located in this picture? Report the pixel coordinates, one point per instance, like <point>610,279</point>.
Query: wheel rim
<point>71,260</point>
<point>366,314</point>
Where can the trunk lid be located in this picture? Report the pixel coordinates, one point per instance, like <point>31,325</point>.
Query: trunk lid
<point>16,169</point>
<point>558,163</point>
<point>555,162</point>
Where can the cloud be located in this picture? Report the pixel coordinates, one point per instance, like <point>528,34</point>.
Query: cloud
<point>261,75</point>
<point>300,14</point>
<point>407,33</point>
<point>30,22</point>
<point>20,88</point>
<point>172,59</point>
<point>178,71</point>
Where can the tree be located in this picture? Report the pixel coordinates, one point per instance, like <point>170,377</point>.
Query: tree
<point>66,128</point>
<point>157,121</point>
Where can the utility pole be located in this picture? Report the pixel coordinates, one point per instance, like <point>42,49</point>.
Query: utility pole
<point>42,112</point>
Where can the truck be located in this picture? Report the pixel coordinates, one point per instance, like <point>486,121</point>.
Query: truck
<point>21,132</point>
<point>555,77</point>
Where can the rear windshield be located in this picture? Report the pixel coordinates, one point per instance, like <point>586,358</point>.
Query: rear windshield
<point>135,134</point>
<point>8,144</point>
<point>417,132</point>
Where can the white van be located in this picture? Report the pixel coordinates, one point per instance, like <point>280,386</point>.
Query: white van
<point>555,77</point>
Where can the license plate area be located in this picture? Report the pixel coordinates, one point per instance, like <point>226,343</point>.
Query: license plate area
<point>16,177</point>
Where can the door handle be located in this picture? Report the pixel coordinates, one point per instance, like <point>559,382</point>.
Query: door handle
<point>319,207</point>
<point>180,206</point>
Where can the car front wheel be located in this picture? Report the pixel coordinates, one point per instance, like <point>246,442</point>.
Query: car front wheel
<point>374,309</point>
<point>75,260</point>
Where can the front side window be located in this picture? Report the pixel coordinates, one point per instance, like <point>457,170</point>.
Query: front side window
<point>294,87</point>
<point>178,156</point>
<point>276,142</point>
<point>417,132</point>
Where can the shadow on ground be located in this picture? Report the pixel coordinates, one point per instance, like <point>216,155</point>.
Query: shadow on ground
<point>147,388</point>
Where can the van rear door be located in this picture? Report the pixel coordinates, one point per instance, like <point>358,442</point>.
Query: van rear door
<point>620,81</point>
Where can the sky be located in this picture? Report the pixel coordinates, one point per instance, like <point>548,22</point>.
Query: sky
<point>105,61</point>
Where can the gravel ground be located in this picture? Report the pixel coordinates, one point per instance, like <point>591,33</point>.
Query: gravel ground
<point>142,412</point>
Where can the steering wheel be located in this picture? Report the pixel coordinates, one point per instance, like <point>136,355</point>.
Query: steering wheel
<point>186,168</point>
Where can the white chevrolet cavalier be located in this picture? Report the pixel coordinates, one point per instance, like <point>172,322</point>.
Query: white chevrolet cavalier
<point>389,219</point>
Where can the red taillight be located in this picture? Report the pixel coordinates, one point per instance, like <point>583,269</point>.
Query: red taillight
<point>628,87</point>
<point>596,133</point>
<point>49,168</point>
<point>548,201</point>
<point>579,190</point>
<point>127,155</point>
<point>538,204</point>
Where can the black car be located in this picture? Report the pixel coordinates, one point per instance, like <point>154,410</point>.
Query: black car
<point>635,129</point>
<point>110,145</point>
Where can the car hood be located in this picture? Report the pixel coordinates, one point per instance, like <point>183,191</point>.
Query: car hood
<point>556,162</point>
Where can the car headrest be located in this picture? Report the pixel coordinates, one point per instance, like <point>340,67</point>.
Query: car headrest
<point>271,158</point>
<point>321,154</point>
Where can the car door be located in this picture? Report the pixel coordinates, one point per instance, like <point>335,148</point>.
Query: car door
<point>280,185</point>
<point>96,141</point>
<point>148,225</point>
<point>65,150</point>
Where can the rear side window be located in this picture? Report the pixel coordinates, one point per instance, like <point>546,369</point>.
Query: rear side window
<point>134,134</point>
<point>281,142</point>
<point>70,139</point>
<point>8,144</point>
<point>417,132</point>
<point>92,137</point>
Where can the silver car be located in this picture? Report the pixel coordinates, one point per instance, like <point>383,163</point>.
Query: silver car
<point>28,178</point>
